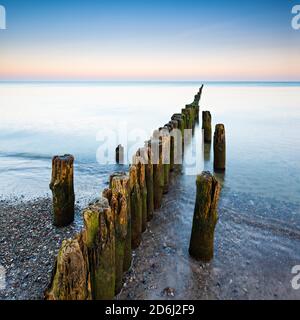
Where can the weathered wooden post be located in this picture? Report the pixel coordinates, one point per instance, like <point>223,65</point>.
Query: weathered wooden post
<point>207,151</point>
<point>70,278</point>
<point>173,125</point>
<point>62,187</point>
<point>206,126</point>
<point>141,178</point>
<point>136,208</point>
<point>158,173</point>
<point>205,217</point>
<point>179,118</point>
<point>128,249</point>
<point>146,154</point>
<point>165,144</point>
<point>219,148</point>
<point>190,109</point>
<point>117,196</point>
<point>120,154</point>
<point>99,238</point>
<point>186,116</point>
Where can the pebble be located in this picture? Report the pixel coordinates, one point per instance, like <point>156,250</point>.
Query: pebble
<point>28,246</point>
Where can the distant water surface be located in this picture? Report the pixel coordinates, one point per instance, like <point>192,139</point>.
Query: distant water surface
<point>39,120</point>
<point>257,238</point>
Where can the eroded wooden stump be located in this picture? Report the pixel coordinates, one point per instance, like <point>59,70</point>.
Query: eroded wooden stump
<point>205,217</point>
<point>141,178</point>
<point>166,153</point>
<point>70,279</point>
<point>117,196</point>
<point>146,153</point>
<point>120,154</point>
<point>219,148</point>
<point>206,126</point>
<point>62,187</point>
<point>158,174</point>
<point>99,238</point>
<point>136,208</point>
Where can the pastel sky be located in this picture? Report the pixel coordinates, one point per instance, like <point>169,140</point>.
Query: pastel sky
<point>149,40</point>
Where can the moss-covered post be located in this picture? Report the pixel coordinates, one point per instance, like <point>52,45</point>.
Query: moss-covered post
<point>165,144</point>
<point>99,238</point>
<point>190,110</point>
<point>62,187</point>
<point>136,208</point>
<point>70,278</point>
<point>206,126</point>
<point>174,126</point>
<point>120,154</point>
<point>186,116</point>
<point>158,173</point>
<point>179,118</point>
<point>146,154</point>
<point>141,177</point>
<point>205,217</point>
<point>219,148</point>
<point>117,196</point>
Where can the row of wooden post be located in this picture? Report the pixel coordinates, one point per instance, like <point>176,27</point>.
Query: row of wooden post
<point>91,266</point>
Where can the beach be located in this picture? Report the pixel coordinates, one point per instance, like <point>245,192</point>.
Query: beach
<point>257,236</point>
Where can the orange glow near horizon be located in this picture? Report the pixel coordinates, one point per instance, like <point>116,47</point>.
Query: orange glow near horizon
<point>282,65</point>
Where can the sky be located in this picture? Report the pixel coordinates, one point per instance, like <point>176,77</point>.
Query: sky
<point>210,40</point>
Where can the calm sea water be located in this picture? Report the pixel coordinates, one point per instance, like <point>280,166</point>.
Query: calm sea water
<point>39,120</point>
<point>257,237</point>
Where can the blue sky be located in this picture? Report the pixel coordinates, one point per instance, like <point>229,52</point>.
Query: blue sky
<point>141,40</point>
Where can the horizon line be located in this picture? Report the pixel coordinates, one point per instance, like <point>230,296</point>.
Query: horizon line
<point>151,81</point>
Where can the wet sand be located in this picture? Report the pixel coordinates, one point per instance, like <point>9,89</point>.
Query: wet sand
<point>253,257</point>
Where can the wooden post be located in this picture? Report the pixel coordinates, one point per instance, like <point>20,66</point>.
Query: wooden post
<point>219,148</point>
<point>70,278</point>
<point>179,118</point>
<point>146,155</point>
<point>120,154</point>
<point>205,217</point>
<point>158,173</point>
<point>99,238</point>
<point>206,126</point>
<point>207,150</point>
<point>173,125</point>
<point>136,208</point>
<point>141,177</point>
<point>117,196</point>
<point>62,187</point>
<point>165,144</point>
<point>127,246</point>
<point>186,116</point>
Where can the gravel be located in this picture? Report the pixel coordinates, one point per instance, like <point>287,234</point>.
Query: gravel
<point>28,246</point>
